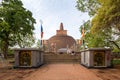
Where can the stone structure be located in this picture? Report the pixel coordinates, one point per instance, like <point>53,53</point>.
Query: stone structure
<point>96,57</point>
<point>28,57</point>
<point>61,40</point>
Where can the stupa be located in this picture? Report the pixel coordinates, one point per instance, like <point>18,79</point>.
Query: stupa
<point>61,39</point>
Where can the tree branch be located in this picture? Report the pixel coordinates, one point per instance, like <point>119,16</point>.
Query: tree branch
<point>115,44</point>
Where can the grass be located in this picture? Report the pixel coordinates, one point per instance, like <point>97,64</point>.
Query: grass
<point>116,61</point>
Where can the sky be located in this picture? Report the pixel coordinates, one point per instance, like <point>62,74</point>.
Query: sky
<point>52,13</point>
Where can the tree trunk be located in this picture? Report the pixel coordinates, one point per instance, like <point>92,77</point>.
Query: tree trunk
<point>5,48</point>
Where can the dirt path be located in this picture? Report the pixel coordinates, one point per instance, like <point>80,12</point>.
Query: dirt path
<point>108,73</point>
<point>62,71</point>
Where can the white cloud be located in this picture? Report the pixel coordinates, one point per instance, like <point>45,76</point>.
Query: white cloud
<point>52,12</point>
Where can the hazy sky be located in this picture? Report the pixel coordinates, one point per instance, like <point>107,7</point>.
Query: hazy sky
<point>52,13</point>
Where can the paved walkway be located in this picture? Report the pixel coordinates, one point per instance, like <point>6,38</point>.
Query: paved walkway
<point>62,71</point>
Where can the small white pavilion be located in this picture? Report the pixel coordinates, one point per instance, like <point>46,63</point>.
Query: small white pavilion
<point>96,57</point>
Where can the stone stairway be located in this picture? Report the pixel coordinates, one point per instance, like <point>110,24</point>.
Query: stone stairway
<point>54,58</point>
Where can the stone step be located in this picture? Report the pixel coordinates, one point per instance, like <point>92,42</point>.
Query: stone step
<point>61,58</point>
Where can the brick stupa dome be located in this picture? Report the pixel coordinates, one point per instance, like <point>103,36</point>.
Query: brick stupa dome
<point>61,39</point>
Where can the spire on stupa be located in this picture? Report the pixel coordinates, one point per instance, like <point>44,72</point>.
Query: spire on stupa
<point>61,26</point>
<point>61,31</point>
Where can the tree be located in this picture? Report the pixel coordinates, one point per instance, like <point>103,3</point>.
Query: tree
<point>26,41</point>
<point>90,6</point>
<point>108,17</point>
<point>105,18</point>
<point>15,21</point>
<point>95,40</point>
<point>105,13</point>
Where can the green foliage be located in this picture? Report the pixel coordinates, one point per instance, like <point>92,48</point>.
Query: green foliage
<point>108,15</point>
<point>90,6</point>
<point>116,46</point>
<point>115,49</point>
<point>116,61</point>
<point>15,22</point>
<point>96,40</point>
<point>25,41</point>
<point>105,22</point>
<point>10,51</point>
